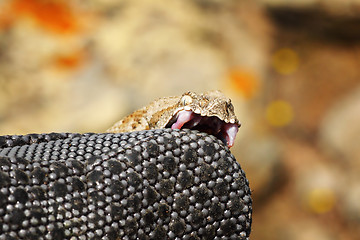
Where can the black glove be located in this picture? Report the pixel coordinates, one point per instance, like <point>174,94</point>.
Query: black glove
<point>158,184</point>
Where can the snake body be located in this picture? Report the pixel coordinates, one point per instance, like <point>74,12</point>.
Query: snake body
<point>155,184</point>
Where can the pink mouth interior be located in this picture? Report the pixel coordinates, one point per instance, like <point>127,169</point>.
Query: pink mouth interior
<point>211,125</point>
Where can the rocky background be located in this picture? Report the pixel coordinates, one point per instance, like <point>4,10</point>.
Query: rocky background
<point>292,69</point>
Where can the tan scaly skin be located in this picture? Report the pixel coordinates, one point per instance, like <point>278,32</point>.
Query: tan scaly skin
<point>209,112</point>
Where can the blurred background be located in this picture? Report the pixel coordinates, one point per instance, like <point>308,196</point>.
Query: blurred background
<point>292,69</point>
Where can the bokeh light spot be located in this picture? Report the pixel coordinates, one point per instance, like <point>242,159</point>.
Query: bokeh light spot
<point>285,61</point>
<point>279,113</point>
<point>245,82</point>
<point>321,200</point>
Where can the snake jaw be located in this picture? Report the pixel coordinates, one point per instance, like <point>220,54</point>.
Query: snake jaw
<point>230,130</point>
<point>211,125</point>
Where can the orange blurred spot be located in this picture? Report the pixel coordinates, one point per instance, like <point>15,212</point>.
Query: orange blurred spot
<point>5,22</point>
<point>70,61</point>
<point>6,18</point>
<point>244,81</point>
<point>52,15</point>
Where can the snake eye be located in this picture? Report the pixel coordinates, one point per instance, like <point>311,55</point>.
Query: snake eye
<point>229,108</point>
<point>186,100</point>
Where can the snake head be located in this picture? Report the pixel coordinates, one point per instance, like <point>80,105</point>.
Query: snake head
<point>210,112</point>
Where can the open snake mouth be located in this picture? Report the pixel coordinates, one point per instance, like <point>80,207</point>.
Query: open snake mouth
<point>211,125</point>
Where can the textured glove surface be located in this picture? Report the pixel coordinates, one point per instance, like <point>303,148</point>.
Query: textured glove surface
<point>157,184</point>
